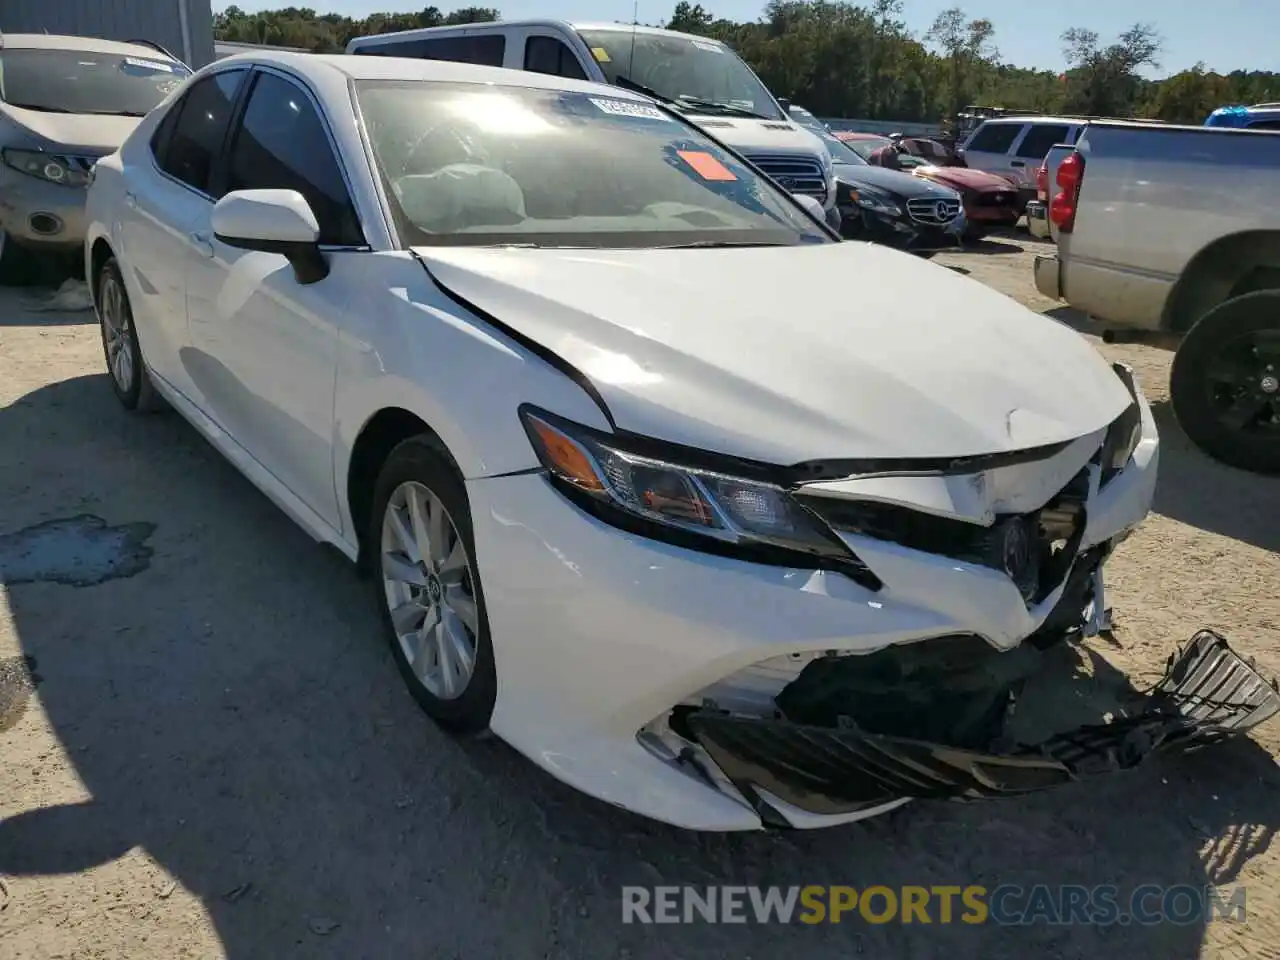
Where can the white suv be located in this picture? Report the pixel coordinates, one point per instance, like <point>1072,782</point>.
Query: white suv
<point>1014,147</point>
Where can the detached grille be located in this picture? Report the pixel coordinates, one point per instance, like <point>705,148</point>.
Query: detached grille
<point>794,174</point>
<point>933,211</point>
<point>1036,550</point>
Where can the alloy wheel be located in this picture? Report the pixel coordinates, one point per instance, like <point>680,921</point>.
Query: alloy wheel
<point>1244,383</point>
<point>117,333</point>
<point>430,589</point>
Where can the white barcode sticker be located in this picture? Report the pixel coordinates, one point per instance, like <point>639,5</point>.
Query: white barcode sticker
<point>149,65</point>
<point>629,108</point>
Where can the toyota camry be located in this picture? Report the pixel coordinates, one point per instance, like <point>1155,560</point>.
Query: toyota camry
<point>561,374</point>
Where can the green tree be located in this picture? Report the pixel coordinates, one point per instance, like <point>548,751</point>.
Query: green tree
<point>968,48</point>
<point>857,59</point>
<point>1190,96</point>
<point>1104,81</point>
<point>690,18</point>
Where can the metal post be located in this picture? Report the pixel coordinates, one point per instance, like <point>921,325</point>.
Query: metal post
<point>184,23</point>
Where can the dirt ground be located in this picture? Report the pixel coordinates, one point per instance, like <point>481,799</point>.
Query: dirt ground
<point>222,761</point>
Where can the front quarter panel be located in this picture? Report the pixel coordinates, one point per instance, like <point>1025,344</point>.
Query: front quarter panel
<point>100,208</point>
<point>408,346</point>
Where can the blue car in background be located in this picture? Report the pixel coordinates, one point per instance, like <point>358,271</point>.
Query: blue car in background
<point>1261,116</point>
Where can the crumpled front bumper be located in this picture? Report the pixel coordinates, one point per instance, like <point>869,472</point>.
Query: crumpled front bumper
<point>1208,693</point>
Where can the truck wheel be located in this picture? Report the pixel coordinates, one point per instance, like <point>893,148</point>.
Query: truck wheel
<point>1225,384</point>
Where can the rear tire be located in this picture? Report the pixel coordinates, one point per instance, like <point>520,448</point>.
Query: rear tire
<point>1224,382</point>
<point>120,345</point>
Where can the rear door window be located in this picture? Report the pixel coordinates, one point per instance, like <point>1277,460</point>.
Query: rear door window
<point>994,138</point>
<point>1265,125</point>
<point>551,56</point>
<point>1040,138</point>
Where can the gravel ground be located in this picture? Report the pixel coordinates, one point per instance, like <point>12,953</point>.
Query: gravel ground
<point>222,763</point>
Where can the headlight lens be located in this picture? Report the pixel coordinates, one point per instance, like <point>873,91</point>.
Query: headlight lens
<point>876,202</point>
<point>1125,432</point>
<point>696,507</point>
<point>66,171</point>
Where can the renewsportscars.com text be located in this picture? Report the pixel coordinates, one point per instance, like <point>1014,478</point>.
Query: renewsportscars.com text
<point>1006,905</point>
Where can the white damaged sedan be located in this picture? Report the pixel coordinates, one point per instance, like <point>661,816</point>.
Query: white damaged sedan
<point>556,369</point>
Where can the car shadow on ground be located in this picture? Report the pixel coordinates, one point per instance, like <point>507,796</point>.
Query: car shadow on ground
<point>992,245</point>
<point>39,307</point>
<point>1198,490</point>
<point>230,708</point>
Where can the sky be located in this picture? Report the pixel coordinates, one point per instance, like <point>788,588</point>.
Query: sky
<point>1225,34</point>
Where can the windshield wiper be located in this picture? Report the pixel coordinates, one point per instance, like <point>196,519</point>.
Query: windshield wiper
<point>626,83</point>
<point>115,113</point>
<point>717,105</point>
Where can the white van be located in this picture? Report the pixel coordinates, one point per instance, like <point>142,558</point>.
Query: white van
<point>703,78</point>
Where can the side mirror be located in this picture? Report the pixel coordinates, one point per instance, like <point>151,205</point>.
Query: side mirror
<point>785,104</point>
<point>273,221</point>
<point>811,206</point>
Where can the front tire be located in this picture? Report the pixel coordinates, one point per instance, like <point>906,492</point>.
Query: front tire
<point>428,586</point>
<point>120,345</point>
<point>1225,384</point>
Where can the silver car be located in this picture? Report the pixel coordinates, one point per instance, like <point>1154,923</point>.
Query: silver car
<point>65,102</point>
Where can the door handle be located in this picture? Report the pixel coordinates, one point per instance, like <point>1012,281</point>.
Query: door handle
<point>1017,163</point>
<point>203,243</point>
<point>130,200</point>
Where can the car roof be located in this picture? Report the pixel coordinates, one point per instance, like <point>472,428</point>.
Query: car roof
<point>616,27</point>
<point>53,41</point>
<point>1029,119</point>
<point>316,66</point>
<point>598,26</point>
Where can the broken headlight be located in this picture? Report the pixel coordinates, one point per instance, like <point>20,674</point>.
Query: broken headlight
<point>1125,431</point>
<point>703,509</point>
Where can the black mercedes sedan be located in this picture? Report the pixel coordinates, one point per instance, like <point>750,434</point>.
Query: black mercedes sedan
<point>892,207</point>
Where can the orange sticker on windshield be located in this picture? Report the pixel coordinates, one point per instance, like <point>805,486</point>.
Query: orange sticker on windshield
<point>706,166</point>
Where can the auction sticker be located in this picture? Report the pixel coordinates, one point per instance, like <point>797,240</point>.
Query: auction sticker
<point>628,108</point>
<point>706,166</point>
<point>150,65</point>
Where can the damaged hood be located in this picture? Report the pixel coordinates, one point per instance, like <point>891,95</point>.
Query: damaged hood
<point>787,354</point>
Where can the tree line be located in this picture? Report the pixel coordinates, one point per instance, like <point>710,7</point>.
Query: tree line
<point>843,59</point>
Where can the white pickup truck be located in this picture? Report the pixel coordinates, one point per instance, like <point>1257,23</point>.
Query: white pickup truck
<point>1172,234</point>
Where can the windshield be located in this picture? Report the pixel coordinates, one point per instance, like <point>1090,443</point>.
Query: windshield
<point>839,150</point>
<point>678,67</point>
<point>78,81</point>
<point>479,165</point>
<point>865,147</point>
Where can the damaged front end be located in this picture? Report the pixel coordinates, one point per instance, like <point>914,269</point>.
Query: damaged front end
<point>948,718</point>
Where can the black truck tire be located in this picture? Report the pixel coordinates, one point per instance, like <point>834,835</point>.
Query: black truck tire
<point>1225,384</point>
